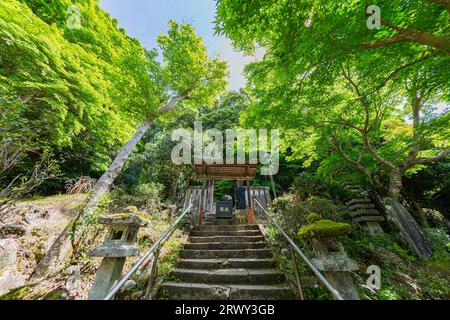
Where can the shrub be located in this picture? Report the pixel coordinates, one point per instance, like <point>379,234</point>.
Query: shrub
<point>148,195</point>
<point>324,207</point>
<point>306,185</point>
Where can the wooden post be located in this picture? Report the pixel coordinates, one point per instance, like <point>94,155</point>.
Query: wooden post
<point>273,185</point>
<point>211,195</point>
<point>202,196</point>
<point>250,207</point>
<point>153,274</point>
<point>297,278</point>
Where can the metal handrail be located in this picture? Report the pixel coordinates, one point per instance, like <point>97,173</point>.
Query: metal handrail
<point>146,255</point>
<point>319,275</point>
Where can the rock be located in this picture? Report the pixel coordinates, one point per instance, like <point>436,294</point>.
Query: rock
<point>127,286</point>
<point>9,276</point>
<point>131,209</point>
<point>17,229</point>
<point>73,282</point>
<point>65,296</point>
<point>36,213</point>
<point>335,262</point>
<point>40,213</point>
<point>285,252</point>
<point>69,212</point>
<point>122,219</point>
<point>137,295</point>
<point>10,281</point>
<point>8,253</point>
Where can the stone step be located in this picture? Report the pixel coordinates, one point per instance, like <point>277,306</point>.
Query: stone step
<point>359,192</point>
<point>236,227</point>
<point>362,206</point>
<point>224,222</point>
<point>358,200</point>
<point>226,263</point>
<point>200,291</point>
<point>229,276</point>
<point>238,253</point>
<point>368,219</point>
<point>226,239</point>
<point>209,233</point>
<point>225,245</point>
<point>365,212</point>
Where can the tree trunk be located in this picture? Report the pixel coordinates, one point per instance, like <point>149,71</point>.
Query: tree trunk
<point>106,180</point>
<point>416,208</point>
<point>395,183</point>
<point>403,220</point>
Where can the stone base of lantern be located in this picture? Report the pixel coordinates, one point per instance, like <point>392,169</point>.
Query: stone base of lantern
<point>107,275</point>
<point>119,243</point>
<point>343,282</point>
<point>332,260</point>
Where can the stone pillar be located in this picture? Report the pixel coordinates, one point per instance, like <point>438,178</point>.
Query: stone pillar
<point>119,243</point>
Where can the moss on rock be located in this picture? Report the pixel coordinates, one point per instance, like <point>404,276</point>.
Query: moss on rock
<point>313,217</point>
<point>324,229</point>
<point>33,292</point>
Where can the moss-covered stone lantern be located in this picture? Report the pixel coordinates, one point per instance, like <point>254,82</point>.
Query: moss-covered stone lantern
<point>330,256</point>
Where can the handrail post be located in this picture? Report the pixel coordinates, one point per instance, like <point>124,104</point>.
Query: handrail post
<point>250,207</point>
<point>202,202</point>
<point>297,277</point>
<point>153,273</point>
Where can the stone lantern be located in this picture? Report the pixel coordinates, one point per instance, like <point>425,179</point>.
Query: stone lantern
<point>330,256</point>
<point>119,243</point>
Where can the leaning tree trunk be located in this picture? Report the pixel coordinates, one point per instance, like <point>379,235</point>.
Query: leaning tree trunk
<point>54,259</point>
<point>403,220</point>
<point>106,180</point>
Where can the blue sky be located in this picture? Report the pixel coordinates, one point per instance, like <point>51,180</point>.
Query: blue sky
<point>145,19</point>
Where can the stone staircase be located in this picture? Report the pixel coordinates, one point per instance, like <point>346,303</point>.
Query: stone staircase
<point>363,211</point>
<point>227,262</point>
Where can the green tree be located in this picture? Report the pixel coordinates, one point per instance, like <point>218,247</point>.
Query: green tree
<point>338,88</point>
<point>72,81</point>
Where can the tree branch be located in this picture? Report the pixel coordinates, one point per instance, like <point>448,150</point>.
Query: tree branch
<point>430,160</point>
<point>344,123</point>
<point>175,100</point>
<point>374,179</point>
<point>361,97</point>
<point>408,34</point>
<point>397,71</point>
<point>375,154</point>
<point>441,2</point>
